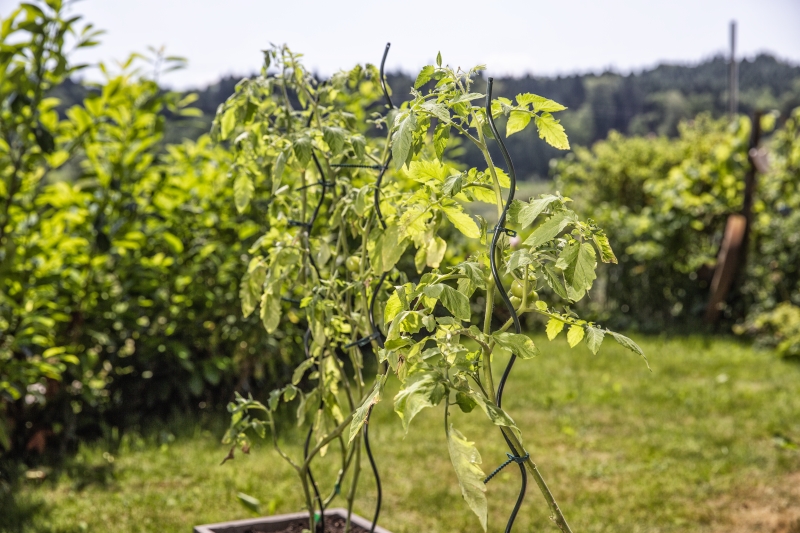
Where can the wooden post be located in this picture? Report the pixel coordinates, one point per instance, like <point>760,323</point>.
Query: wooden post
<point>732,258</point>
<point>727,263</point>
<point>733,76</point>
<point>750,180</point>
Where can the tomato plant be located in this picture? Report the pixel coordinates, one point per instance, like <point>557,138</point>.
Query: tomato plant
<point>330,197</point>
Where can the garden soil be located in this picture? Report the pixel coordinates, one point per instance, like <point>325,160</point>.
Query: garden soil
<point>333,524</point>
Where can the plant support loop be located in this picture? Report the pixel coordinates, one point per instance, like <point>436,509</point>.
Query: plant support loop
<point>363,341</point>
<point>511,459</point>
<point>372,167</point>
<point>509,232</point>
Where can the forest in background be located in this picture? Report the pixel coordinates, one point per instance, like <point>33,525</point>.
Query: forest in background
<point>653,101</point>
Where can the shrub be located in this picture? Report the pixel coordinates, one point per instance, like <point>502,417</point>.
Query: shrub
<point>119,256</point>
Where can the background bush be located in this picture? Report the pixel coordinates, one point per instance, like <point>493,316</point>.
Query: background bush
<point>665,203</point>
<point>119,256</point>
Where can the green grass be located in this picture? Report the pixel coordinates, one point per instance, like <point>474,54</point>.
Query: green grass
<point>622,448</point>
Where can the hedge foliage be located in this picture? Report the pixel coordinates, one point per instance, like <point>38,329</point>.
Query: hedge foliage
<point>666,202</point>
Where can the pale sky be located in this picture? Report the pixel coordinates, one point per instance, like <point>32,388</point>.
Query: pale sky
<point>509,36</point>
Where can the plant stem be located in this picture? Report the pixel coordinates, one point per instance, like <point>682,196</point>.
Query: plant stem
<point>309,503</point>
<point>351,494</point>
<point>555,511</point>
<point>488,158</point>
<point>325,440</point>
<point>487,330</point>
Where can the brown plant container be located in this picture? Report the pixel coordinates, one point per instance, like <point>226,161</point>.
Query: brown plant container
<point>269,524</point>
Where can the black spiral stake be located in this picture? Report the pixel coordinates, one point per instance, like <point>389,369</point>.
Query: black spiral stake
<point>515,455</point>
<point>320,502</point>
<point>309,226</point>
<point>376,333</point>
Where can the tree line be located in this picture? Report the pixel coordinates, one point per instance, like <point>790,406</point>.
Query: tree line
<point>653,101</point>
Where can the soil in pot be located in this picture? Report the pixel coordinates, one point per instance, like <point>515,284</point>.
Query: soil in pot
<point>333,524</point>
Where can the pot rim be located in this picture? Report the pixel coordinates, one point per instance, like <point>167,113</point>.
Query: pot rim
<point>234,525</point>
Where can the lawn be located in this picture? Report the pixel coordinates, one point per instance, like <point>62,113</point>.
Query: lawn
<point>707,441</point>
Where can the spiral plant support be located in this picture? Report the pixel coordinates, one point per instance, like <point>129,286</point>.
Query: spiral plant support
<point>499,229</point>
<point>377,336</point>
<point>515,455</point>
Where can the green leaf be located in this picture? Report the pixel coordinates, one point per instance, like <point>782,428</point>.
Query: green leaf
<point>401,140</point>
<point>549,229</point>
<point>606,253</point>
<point>629,344</point>
<point>552,131</point>
<point>439,59</point>
<point>513,211</point>
<point>540,103</point>
<point>529,212</point>
<point>474,278</point>
<point>462,221</point>
<point>502,177</point>
<point>419,259</point>
<point>518,121</point>
<point>249,502</point>
<point>227,123</point>
<point>435,252</point>
<point>520,345</point>
<point>405,321</point>
<point>594,338</point>
<point>451,299</point>
<point>388,250</point>
<point>243,190</point>
<point>466,462</point>
<point>301,369</point>
<point>251,285</point>
<point>495,414</point>
<point>453,184</point>
<point>424,76</point>
<point>554,327</point>
<point>574,335</point>
<point>361,202</point>
<point>270,311</point>
<point>359,145</point>
<point>302,149</point>
<point>393,307</point>
<point>555,279</point>
<point>334,138</point>
<point>422,390</point>
<point>427,171</point>
<point>465,98</point>
<point>438,110</point>
<point>277,170</point>
<point>173,241</point>
<point>519,259</point>
<point>578,261</point>
<point>360,415</point>
<point>441,135</point>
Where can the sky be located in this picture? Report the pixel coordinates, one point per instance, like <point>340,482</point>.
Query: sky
<point>543,38</point>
